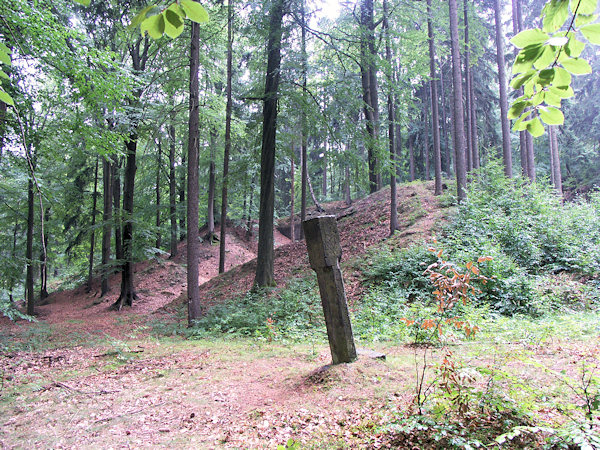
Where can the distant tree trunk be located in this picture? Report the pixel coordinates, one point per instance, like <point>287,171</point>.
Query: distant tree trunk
<point>116,192</point>
<point>249,223</point>
<point>391,123</point>
<point>182,203</point>
<point>210,210</point>
<point>227,150</point>
<point>3,108</point>
<point>426,135</point>
<point>530,157</point>
<point>172,189</point>
<point>411,159</point>
<point>324,177</point>
<point>369,87</point>
<point>459,126</point>
<point>44,262</point>
<point>93,229</point>
<point>468,100</point>
<point>265,258</point>
<point>30,297</point>
<point>158,222</point>
<point>192,180</point>
<point>522,138</point>
<point>292,195</point>
<point>551,153</point>
<point>313,196</point>
<point>347,196</point>
<point>447,163</point>
<point>437,155</point>
<point>303,143</point>
<point>556,160</point>
<point>106,219</point>
<point>506,152</point>
<point>13,255</point>
<point>474,137</point>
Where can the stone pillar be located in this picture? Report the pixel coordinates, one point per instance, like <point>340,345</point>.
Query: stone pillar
<point>324,253</point>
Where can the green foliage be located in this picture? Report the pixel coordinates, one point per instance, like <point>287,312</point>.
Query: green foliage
<point>293,312</point>
<point>546,60</point>
<point>157,21</point>
<point>5,59</point>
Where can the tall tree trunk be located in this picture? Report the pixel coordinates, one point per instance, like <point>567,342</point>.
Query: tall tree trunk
<point>474,136</point>
<point>118,216</point>
<point>447,162</point>
<point>182,203</point>
<point>411,158</point>
<point>530,157</point>
<point>249,223</point>
<point>3,108</point>
<point>172,189</point>
<point>369,88</point>
<point>193,288</point>
<point>44,262</point>
<point>13,255</point>
<point>139,56</point>
<point>30,297</point>
<point>93,228</point>
<point>106,220</point>
<point>435,116</point>
<point>506,152</point>
<point>210,209</point>
<point>551,153</point>
<point>227,150</point>
<point>426,135</point>
<point>324,175</point>
<point>265,258</point>
<point>522,138</point>
<point>459,126</point>
<point>313,196</point>
<point>292,195</point>
<point>158,221</point>
<point>391,123</point>
<point>303,125</point>
<point>468,91</point>
<point>556,160</point>
<point>347,196</point>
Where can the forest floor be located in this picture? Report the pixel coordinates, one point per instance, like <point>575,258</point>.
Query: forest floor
<point>87,377</point>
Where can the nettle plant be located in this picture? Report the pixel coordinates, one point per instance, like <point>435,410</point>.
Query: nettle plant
<point>547,60</point>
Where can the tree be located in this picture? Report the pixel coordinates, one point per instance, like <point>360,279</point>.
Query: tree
<point>437,155</point>
<point>264,261</point>
<point>506,151</point>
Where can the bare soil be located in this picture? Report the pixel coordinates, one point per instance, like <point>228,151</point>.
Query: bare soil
<point>124,388</point>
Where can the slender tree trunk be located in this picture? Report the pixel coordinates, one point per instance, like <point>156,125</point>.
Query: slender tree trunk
<point>556,159</point>
<point>391,123</point>
<point>106,220</point>
<point>551,153</point>
<point>249,223</point>
<point>303,143</point>
<point>158,205</point>
<point>437,155</point>
<point>347,196</point>
<point>530,157</point>
<point>182,203</point>
<point>313,196</point>
<point>324,175</point>
<point>468,100</point>
<point>411,159</point>
<point>265,258</point>
<point>447,151</point>
<point>292,195</point>
<point>194,310</point>
<point>227,150</point>
<point>369,87</point>
<point>522,138</point>
<point>426,135</point>
<point>506,151</point>
<point>44,263</point>
<point>210,210</point>
<point>13,255</point>
<point>93,228</point>
<point>3,108</point>
<point>172,189</point>
<point>116,192</point>
<point>459,126</point>
<point>474,136</point>
<point>30,297</point>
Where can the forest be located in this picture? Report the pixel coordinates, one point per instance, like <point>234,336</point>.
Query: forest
<point>160,164</point>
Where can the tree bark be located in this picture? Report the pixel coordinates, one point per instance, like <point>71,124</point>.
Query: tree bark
<point>158,221</point>
<point>506,151</point>
<point>116,192</point>
<point>182,203</point>
<point>369,87</point>
<point>474,136</point>
<point>172,189</point>
<point>556,160</point>
<point>93,229</point>
<point>106,228</point>
<point>303,137</point>
<point>435,116</point>
<point>459,126</point>
<point>447,162</point>
<point>30,297</point>
<point>411,159</point>
<point>468,100</point>
<point>265,258</point>
<point>391,123</point>
<point>210,209</point>
<point>193,290</point>
<point>292,195</point>
<point>227,150</point>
